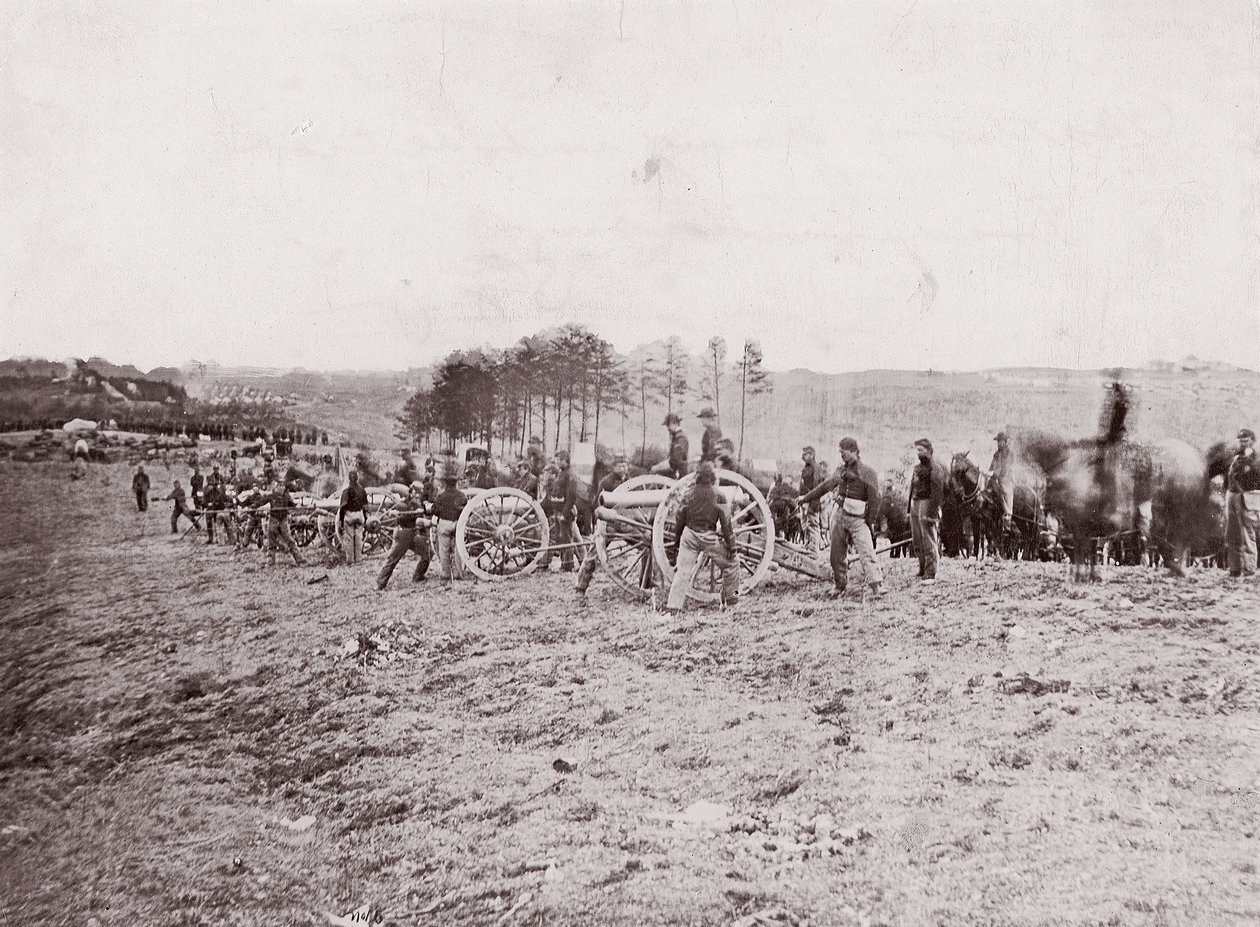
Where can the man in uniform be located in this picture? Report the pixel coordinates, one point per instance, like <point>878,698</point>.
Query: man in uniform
<point>180,499</point>
<point>196,483</point>
<point>1000,473</point>
<point>927,494</point>
<point>696,532</point>
<point>278,534</point>
<point>140,486</point>
<point>215,504</point>
<point>447,508</point>
<point>560,505</point>
<point>811,514</point>
<point>525,480</point>
<point>411,533</point>
<point>712,434</point>
<point>610,482</point>
<point>857,492</point>
<point>1242,483</point>
<point>537,456</point>
<point>676,464</point>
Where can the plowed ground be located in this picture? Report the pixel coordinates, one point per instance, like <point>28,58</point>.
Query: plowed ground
<point>1007,747</point>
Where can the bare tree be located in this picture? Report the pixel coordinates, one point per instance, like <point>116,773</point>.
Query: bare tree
<point>753,381</point>
<point>711,379</point>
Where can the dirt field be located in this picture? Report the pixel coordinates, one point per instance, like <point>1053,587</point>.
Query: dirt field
<point>169,716</point>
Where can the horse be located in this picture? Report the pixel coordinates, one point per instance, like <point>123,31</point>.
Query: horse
<point>978,509</point>
<point>1107,490</point>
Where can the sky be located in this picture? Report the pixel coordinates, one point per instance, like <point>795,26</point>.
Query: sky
<point>913,184</point>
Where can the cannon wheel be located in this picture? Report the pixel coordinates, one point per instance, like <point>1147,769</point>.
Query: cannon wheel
<point>626,551</point>
<point>754,538</point>
<point>501,533</point>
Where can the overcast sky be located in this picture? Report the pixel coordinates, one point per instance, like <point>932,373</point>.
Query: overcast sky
<point>354,184</point>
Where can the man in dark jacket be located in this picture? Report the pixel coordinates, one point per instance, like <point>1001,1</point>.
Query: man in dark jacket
<point>410,533</point>
<point>696,532</point>
<point>525,480</point>
<point>811,513</point>
<point>140,486</point>
<point>676,464</point>
<point>560,505</point>
<point>712,435</point>
<point>611,481</point>
<point>927,493</point>
<point>857,497</point>
<point>1242,501</point>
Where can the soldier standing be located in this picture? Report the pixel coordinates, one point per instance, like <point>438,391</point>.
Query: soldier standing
<point>610,482</point>
<point>351,517</point>
<point>560,505</point>
<point>447,508</point>
<point>140,486</point>
<point>676,464</point>
<point>811,513</point>
<point>278,534</point>
<point>525,480</point>
<point>857,492</point>
<point>1241,485</point>
<point>712,435</point>
<point>927,494</point>
<point>180,499</point>
<point>696,533</point>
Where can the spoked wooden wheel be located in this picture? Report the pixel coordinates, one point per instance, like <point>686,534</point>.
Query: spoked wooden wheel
<point>624,545</point>
<point>501,533</point>
<point>751,522</point>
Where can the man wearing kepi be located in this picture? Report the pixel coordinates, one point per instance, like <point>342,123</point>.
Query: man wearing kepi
<point>857,492</point>
<point>1242,506</point>
<point>408,536</point>
<point>927,493</point>
<point>695,534</point>
<point>676,464</point>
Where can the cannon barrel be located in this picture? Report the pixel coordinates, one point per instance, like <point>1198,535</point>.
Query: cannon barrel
<point>651,498</point>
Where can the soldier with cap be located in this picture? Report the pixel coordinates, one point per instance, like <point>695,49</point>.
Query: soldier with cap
<point>676,464</point>
<point>611,481</point>
<point>140,484</point>
<point>447,508</point>
<point>180,498</point>
<point>1000,473</point>
<point>1242,506</point>
<point>351,519</point>
<point>537,456</point>
<point>702,527</point>
<point>278,533</point>
<point>712,434</point>
<point>811,514</point>
<point>560,505</point>
<point>857,492</point>
<point>525,480</point>
<point>410,533</point>
<point>927,494</point>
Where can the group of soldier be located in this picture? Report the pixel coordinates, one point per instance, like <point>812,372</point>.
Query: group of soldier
<point>702,528</point>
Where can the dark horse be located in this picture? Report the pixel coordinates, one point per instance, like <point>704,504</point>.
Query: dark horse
<point>977,510</point>
<point>1109,488</point>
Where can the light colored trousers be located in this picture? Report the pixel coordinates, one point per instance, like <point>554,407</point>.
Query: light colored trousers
<point>852,529</point>
<point>352,537</point>
<point>690,547</point>
<point>448,556</point>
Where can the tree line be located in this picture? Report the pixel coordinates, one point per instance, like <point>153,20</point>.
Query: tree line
<point>566,385</point>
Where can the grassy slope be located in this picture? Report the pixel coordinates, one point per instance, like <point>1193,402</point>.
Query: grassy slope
<point>164,706</point>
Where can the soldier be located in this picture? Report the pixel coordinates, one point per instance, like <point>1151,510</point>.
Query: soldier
<point>1241,513</point>
<point>610,482</point>
<point>857,492</point>
<point>215,477</point>
<point>196,484</point>
<point>278,534</point>
<point>927,494</point>
<point>724,455</point>
<point>411,533</point>
<point>712,434</point>
<point>537,456</point>
<point>251,501</point>
<point>180,499</point>
<point>1000,473</point>
<point>811,514</point>
<point>216,503</point>
<point>676,464</point>
<point>560,505</point>
<point>351,517</point>
<point>140,486</point>
<point>525,480</point>
<point>447,508</point>
<point>695,533</point>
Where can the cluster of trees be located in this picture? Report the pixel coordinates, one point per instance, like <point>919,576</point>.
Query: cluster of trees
<point>565,385</point>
